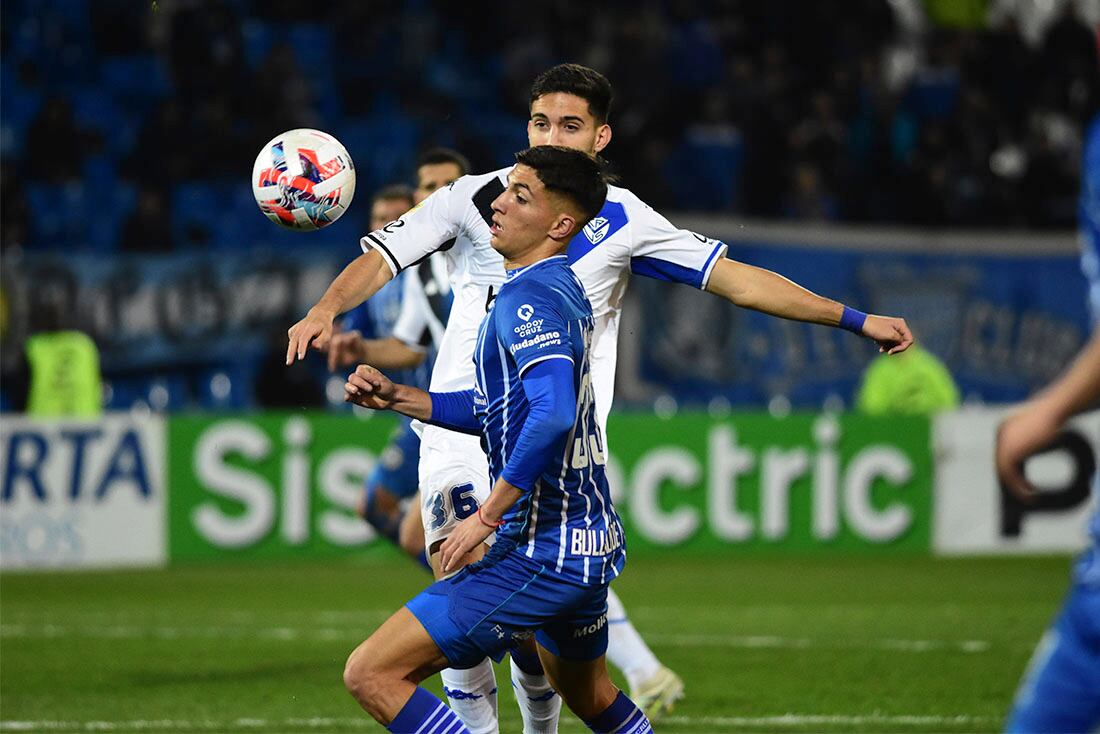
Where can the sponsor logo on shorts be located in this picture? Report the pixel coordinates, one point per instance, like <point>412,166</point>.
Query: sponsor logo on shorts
<point>593,628</point>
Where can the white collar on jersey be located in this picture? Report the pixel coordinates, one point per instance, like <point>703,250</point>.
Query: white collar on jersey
<point>510,275</point>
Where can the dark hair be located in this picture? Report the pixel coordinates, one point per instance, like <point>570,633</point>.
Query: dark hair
<point>436,156</point>
<point>572,173</point>
<point>394,191</point>
<point>581,81</point>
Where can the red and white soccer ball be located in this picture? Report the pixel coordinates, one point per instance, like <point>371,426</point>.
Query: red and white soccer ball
<point>303,179</point>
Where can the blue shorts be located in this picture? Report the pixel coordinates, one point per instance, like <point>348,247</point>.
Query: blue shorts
<point>490,606</point>
<point>1060,691</point>
<point>396,468</point>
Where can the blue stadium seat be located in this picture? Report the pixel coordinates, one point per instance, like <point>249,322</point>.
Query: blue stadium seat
<point>313,44</point>
<point>206,207</point>
<point>258,39</point>
<point>504,133</point>
<point>933,94</point>
<point>114,203</point>
<point>20,107</point>
<point>383,149</point>
<point>141,77</point>
<point>713,168</point>
<point>61,215</point>
<point>95,108</point>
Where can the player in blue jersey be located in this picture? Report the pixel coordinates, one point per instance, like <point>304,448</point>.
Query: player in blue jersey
<point>558,539</point>
<point>1061,690</point>
<point>472,692</point>
<point>570,106</point>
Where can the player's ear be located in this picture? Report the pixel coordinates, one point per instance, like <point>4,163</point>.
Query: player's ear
<point>603,137</point>
<point>564,227</point>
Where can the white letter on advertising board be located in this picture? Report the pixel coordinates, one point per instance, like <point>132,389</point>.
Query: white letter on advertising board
<point>866,466</point>
<point>342,474</point>
<point>233,483</point>
<point>727,461</point>
<point>657,466</point>
<point>779,470</point>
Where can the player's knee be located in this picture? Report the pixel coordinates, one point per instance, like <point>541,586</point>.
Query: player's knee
<point>362,680</point>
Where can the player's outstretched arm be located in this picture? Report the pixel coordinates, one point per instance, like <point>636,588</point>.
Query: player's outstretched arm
<point>762,290</point>
<point>391,353</point>
<point>360,280</point>
<point>369,388</point>
<point>1036,423</point>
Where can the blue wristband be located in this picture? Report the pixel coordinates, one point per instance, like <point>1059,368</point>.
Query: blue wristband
<point>852,320</point>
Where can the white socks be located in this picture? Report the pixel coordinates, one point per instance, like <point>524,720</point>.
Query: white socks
<point>539,704</point>
<point>626,649</point>
<point>472,694</point>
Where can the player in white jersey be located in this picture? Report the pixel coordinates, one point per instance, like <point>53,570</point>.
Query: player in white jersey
<point>569,106</point>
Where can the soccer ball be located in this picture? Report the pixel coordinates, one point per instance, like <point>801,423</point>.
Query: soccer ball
<point>303,179</point>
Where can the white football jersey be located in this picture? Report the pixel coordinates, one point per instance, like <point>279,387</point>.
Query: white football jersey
<point>425,303</point>
<point>627,236</point>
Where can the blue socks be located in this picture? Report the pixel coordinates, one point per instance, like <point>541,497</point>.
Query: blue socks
<point>621,717</point>
<point>426,714</point>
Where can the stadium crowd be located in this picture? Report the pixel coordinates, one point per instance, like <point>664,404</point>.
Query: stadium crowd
<point>144,112</point>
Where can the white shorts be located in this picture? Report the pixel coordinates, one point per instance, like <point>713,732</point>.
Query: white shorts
<point>454,480</point>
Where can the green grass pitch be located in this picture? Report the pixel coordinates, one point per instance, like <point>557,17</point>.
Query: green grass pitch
<point>764,644</point>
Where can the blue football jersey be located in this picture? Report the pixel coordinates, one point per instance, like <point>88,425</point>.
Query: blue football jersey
<point>567,521</point>
<point>1088,569</point>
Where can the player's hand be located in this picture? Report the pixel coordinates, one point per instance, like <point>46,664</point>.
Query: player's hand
<point>1021,435</point>
<point>891,334</point>
<point>369,388</point>
<point>345,349</point>
<point>467,535</point>
<point>315,328</point>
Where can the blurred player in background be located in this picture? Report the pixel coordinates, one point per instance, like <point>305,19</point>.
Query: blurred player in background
<point>1060,691</point>
<point>569,106</point>
<point>393,480</point>
<point>389,501</point>
<point>915,382</point>
<point>532,407</point>
<point>437,168</point>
